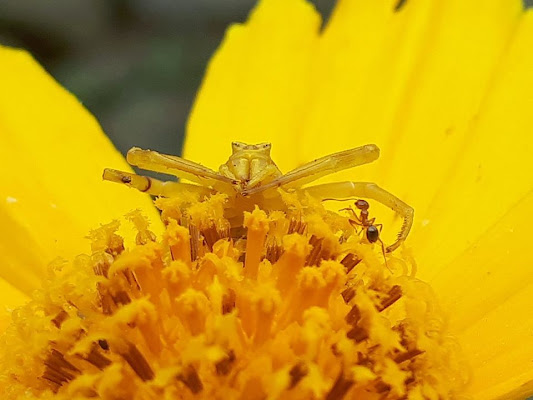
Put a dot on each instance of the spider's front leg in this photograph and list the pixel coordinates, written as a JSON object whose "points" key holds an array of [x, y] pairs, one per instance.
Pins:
{"points": [[370, 191], [152, 186]]}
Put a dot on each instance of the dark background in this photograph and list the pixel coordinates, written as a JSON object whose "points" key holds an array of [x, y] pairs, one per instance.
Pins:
{"points": [[135, 64]]}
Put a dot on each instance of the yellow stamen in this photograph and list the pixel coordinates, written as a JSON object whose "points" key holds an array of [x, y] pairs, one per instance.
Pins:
{"points": [[212, 311]]}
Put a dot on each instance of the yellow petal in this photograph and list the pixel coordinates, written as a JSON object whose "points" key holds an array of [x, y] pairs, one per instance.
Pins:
{"points": [[414, 92], [364, 61], [494, 170], [52, 156], [256, 84], [501, 350], [444, 92], [493, 284], [487, 288]]}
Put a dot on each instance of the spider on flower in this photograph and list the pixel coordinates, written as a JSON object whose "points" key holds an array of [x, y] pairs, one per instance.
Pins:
{"points": [[250, 176]]}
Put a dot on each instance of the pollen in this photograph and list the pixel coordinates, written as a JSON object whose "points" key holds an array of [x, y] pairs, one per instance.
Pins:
{"points": [[286, 305]]}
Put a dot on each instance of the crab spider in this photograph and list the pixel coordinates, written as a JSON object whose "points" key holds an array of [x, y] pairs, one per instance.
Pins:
{"points": [[250, 172]]}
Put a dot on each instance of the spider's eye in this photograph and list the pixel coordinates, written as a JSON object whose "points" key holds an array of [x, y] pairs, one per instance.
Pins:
{"points": [[372, 234]]}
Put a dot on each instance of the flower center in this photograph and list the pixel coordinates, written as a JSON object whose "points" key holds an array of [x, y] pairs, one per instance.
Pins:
{"points": [[292, 304]]}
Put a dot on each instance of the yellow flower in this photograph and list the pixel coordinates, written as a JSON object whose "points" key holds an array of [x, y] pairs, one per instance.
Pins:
{"points": [[443, 88]]}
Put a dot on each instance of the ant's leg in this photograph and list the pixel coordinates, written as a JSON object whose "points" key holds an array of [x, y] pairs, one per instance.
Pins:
{"points": [[152, 186], [371, 191], [356, 224], [383, 251], [354, 215]]}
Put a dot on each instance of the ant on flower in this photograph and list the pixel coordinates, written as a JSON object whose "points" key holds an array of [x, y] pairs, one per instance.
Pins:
{"points": [[367, 224]]}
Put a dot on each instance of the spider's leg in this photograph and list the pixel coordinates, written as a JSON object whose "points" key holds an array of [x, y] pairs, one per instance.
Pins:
{"points": [[152, 186], [321, 167], [370, 191], [270, 172], [177, 166]]}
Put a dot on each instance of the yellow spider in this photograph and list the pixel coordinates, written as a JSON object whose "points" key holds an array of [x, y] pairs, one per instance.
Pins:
{"points": [[249, 177]]}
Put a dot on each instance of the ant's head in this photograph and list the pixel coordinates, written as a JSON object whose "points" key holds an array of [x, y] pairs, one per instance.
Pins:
{"points": [[362, 205]]}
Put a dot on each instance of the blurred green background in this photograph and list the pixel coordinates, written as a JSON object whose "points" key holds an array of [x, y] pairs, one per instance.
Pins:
{"points": [[136, 65]]}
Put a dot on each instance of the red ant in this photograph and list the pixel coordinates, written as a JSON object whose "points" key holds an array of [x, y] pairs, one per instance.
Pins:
{"points": [[371, 229], [367, 225]]}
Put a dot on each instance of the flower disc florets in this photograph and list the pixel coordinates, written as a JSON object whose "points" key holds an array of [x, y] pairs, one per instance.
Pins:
{"points": [[287, 305]]}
